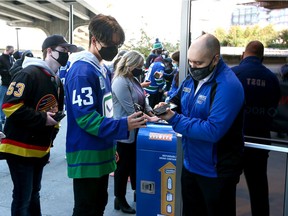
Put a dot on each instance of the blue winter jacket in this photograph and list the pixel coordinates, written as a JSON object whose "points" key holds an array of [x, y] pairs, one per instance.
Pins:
{"points": [[211, 123]]}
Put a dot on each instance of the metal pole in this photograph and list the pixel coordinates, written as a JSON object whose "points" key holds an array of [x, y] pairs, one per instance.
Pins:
{"points": [[17, 38], [184, 38], [71, 24], [277, 149], [184, 44], [285, 207]]}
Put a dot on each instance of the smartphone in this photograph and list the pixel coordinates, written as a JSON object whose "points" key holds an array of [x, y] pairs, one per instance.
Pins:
{"points": [[138, 107], [59, 116], [162, 109]]}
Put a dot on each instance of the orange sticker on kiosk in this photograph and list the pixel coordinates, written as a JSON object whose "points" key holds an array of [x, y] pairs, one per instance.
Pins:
{"points": [[160, 136]]}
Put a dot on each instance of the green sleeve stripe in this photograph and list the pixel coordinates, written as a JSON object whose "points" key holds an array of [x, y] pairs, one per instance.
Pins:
{"points": [[90, 123], [152, 88], [159, 82]]}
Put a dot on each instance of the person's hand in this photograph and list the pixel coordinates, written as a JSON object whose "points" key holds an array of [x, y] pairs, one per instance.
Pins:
{"points": [[136, 120], [159, 105], [145, 84], [50, 120], [169, 113], [158, 74], [151, 118]]}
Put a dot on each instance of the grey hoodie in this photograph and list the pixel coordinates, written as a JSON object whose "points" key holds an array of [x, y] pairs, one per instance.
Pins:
{"points": [[39, 63]]}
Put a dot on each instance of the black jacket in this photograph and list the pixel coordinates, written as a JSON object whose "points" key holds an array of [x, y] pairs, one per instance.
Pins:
{"points": [[262, 93], [31, 94], [17, 66], [5, 65]]}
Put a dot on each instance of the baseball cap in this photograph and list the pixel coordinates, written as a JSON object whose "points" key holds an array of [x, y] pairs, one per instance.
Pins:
{"points": [[58, 40], [168, 59]]}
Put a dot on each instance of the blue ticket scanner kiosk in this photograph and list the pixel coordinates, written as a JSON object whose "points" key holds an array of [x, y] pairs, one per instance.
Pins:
{"points": [[156, 170]]}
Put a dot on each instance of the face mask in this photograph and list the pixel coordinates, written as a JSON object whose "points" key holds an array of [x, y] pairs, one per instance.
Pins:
{"points": [[175, 65], [200, 73], [63, 58], [137, 72], [108, 53]]}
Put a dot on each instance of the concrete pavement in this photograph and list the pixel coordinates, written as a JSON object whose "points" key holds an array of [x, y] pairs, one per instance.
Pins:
{"points": [[57, 192], [57, 195]]}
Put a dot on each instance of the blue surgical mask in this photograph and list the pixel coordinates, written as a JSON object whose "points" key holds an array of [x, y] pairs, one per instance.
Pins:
{"points": [[175, 66]]}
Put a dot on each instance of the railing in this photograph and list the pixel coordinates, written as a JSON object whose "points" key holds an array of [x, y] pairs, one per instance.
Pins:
{"points": [[277, 149], [271, 147]]}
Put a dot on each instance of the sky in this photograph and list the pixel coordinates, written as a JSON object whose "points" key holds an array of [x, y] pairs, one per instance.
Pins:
{"points": [[158, 18], [8, 37]]}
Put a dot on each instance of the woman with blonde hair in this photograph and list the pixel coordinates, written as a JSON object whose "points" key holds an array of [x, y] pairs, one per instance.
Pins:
{"points": [[128, 96]]}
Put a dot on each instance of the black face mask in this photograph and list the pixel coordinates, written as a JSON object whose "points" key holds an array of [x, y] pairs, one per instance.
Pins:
{"points": [[200, 73], [63, 58], [108, 53], [137, 72]]}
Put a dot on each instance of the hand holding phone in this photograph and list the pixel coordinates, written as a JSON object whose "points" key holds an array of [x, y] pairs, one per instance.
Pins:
{"points": [[145, 84], [138, 108], [162, 109], [158, 74], [59, 116]]}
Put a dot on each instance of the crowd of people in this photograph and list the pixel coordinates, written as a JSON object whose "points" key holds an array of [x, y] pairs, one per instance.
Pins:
{"points": [[107, 104]]}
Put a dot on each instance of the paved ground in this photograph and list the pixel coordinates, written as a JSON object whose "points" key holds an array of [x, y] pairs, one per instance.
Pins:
{"points": [[56, 192], [57, 195]]}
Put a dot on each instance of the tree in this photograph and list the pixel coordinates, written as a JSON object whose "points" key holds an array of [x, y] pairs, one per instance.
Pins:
{"points": [[221, 35], [145, 44], [238, 36], [281, 41]]}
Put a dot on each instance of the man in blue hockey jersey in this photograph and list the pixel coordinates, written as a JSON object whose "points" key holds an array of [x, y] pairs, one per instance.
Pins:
{"points": [[91, 129]]}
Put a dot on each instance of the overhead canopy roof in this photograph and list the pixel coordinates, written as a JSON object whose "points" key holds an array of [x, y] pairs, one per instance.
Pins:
{"points": [[269, 4], [52, 16], [31, 11], [27, 11]]}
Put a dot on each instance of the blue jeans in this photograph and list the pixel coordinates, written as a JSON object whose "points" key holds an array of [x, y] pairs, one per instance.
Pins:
{"points": [[26, 177]]}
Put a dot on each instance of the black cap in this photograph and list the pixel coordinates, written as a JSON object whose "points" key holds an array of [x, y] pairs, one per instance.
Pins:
{"points": [[168, 59], [58, 40]]}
